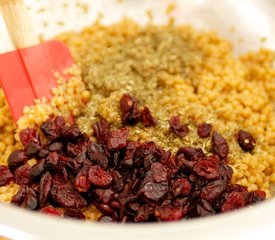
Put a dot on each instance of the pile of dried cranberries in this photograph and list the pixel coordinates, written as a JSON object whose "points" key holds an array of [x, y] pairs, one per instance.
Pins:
{"points": [[127, 181]]}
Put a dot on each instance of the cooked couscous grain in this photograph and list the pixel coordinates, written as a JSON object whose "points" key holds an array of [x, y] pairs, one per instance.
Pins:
{"points": [[178, 70], [68, 98], [175, 70]]}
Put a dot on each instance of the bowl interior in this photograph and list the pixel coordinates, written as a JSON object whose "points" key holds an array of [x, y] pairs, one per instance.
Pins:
{"points": [[248, 24]]}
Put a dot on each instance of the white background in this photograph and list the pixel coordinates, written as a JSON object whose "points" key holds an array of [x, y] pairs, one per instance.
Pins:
{"points": [[251, 19]]}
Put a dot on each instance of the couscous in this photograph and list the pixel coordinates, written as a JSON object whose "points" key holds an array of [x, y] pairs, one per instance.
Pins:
{"points": [[183, 79]]}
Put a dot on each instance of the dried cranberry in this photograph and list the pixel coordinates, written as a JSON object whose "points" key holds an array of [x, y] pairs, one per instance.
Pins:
{"points": [[191, 154], [59, 122], [81, 158], [127, 163], [5, 176], [31, 199], [50, 129], [256, 196], [99, 177], [52, 160], [82, 182], [25, 197], [178, 128], [236, 188], [159, 172], [64, 162], [97, 154], [74, 149], [171, 162], [143, 181], [63, 172], [126, 197], [37, 169], [22, 174], [104, 195], [185, 164], [115, 204], [226, 172], [220, 145], [45, 187], [117, 184], [147, 118], [233, 201], [133, 207], [75, 164], [16, 159], [213, 190], [129, 154], [169, 213], [246, 141], [143, 214], [33, 147], [154, 191], [105, 209], [193, 178], [145, 155], [55, 147], [74, 213], [181, 202], [118, 139], [206, 169], [36, 187], [64, 195], [70, 133], [204, 130], [27, 134], [20, 196], [204, 208], [43, 153], [161, 154], [181, 187], [101, 130], [51, 211], [213, 159], [129, 109]]}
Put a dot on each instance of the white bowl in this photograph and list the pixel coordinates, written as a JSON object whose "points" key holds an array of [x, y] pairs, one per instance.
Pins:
{"points": [[252, 20], [251, 223]]}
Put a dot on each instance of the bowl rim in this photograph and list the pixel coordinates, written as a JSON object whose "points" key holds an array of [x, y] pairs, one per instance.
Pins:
{"points": [[22, 224]]}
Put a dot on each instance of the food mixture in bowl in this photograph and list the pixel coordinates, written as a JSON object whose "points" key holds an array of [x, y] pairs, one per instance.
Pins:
{"points": [[156, 123]]}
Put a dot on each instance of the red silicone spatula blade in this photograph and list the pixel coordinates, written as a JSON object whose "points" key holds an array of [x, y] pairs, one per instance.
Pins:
{"points": [[15, 83], [42, 62], [29, 73]]}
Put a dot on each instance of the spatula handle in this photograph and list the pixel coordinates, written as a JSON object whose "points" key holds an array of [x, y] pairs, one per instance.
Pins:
{"points": [[18, 22]]}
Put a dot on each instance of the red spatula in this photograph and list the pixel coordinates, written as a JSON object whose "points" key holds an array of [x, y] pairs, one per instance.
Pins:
{"points": [[28, 72]]}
